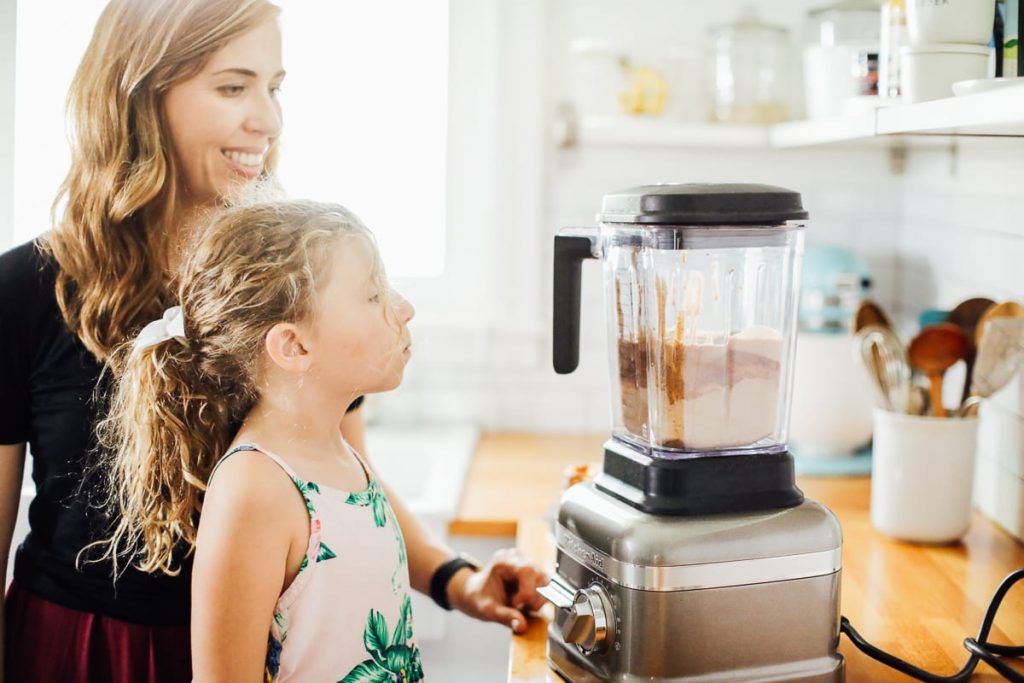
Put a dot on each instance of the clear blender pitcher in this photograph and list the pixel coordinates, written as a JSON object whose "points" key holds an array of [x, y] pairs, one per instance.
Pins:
{"points": [[701, 303]]}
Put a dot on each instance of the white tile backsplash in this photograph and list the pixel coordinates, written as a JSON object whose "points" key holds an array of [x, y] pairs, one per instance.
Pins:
{"points": [[962, 224]]}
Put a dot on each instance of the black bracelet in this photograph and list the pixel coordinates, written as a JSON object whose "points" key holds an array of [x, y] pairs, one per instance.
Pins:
{"points": [[443, 575]]}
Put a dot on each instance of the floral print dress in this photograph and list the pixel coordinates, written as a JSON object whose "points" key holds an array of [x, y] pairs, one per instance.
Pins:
{"points": [[346, 617]]}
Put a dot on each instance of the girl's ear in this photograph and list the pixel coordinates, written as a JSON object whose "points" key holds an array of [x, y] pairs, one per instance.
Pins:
{"points": [[285, 346]]}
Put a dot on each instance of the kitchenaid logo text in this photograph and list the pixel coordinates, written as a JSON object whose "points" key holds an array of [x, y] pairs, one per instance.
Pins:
{"points": [[579, 550]]}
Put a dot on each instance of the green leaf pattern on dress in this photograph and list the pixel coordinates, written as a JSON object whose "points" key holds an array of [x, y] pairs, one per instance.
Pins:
{"points": [[394, 657], [374, 498], [306, 488], [392, 660]]}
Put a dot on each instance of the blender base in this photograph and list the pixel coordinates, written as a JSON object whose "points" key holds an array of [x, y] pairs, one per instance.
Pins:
{"points": [[750, 596], [830, 670], [782, 631]]}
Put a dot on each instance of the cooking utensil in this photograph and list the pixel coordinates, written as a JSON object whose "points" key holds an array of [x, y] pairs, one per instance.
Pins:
{"points": [[1007, 309], [966, 315], [869, 313], [969, 407], [1000, 357], [918, 403], [882, 353], [934, 350]]}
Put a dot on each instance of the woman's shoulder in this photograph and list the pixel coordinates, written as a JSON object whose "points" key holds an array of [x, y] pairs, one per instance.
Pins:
{"points": [[25, 269]]}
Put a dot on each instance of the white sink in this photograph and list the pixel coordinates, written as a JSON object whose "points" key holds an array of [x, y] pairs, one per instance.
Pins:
{"points": [[425, 465]]}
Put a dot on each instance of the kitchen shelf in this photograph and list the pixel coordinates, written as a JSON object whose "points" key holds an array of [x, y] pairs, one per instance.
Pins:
{"points": [[616, 130], [823, 131], [997, 113], [994, 113]]}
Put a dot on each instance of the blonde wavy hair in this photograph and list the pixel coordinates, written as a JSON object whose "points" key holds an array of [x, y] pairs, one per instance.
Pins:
{"points": [[110, 242], [176, 404]]}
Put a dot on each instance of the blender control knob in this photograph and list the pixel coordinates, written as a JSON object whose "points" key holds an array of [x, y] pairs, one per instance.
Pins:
{"points": [[588, 620]]}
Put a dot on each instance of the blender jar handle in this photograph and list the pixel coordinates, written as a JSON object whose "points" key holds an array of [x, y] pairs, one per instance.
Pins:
{"points": [[572, 245]]}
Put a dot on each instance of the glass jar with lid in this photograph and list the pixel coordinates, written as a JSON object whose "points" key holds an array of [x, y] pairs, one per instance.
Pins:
{"points": [[748, 70]]}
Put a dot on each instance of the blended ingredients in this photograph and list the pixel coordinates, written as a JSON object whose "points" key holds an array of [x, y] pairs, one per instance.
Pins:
{"points": [[707, 393]]}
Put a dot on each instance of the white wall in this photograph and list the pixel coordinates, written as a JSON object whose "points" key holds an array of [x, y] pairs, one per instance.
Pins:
{"points": [[8, 24], [962, 223]]}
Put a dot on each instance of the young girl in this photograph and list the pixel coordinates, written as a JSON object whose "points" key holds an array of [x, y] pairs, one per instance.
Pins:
{"points": [[300, 569]]}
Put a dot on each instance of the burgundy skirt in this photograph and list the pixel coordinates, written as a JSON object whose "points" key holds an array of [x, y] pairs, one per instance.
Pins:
{"points": [[45, 642]]}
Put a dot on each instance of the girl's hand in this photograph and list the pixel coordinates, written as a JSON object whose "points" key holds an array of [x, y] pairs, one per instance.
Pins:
{"points": [[503, 591]]}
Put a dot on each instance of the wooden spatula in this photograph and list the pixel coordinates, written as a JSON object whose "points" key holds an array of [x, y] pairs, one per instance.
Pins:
{"points": [[934, 350], [1007, 309]]}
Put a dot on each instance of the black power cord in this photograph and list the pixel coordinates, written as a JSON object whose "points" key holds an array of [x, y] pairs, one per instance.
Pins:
{"points": [[979, 647]]}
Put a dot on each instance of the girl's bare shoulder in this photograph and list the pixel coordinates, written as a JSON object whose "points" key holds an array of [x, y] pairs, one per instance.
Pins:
{"points": [[249, 484]]}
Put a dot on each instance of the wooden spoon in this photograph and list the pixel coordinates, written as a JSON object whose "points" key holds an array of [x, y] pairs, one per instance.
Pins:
{"points": [[934, 350], [1007, 309], [966, 315], [869, 313]]}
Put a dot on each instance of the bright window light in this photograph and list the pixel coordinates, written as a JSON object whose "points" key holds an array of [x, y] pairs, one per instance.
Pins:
{"points": [[50, 43], [365, 109]]}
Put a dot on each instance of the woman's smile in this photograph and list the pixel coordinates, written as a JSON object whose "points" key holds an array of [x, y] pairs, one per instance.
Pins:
{"points": [[247, 162]]}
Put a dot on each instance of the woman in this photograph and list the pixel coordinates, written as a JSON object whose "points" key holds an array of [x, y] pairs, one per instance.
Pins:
{"points": [[174, 107]]}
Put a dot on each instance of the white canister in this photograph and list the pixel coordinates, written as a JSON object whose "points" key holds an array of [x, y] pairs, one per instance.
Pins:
{"points": [[1001, 427], [928, 72], [950, 21], [830, 77], [922, 476]]}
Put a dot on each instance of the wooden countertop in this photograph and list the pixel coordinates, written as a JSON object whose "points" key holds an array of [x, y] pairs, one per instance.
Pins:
{"points": [[917, 602], [518, 476]]}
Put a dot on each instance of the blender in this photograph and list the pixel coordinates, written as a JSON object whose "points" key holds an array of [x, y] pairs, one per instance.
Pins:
{"points": [[693, 556]]}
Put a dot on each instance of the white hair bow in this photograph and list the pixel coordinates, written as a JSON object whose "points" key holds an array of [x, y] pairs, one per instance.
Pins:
{"points": [[170, 326]]}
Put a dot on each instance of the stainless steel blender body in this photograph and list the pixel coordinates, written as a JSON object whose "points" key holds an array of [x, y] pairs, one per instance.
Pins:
{"points": [[733, 597], [693, 556]]}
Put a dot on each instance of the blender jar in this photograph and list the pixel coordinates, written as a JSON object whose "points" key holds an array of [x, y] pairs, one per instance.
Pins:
{"points": [[701, 303]]}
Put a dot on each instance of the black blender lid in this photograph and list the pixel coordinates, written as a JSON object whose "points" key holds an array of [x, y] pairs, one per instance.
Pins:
{"points": [[702, 204]]}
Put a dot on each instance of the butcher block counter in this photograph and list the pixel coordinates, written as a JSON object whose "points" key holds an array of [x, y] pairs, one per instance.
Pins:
{"points": [[917, 602]]}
